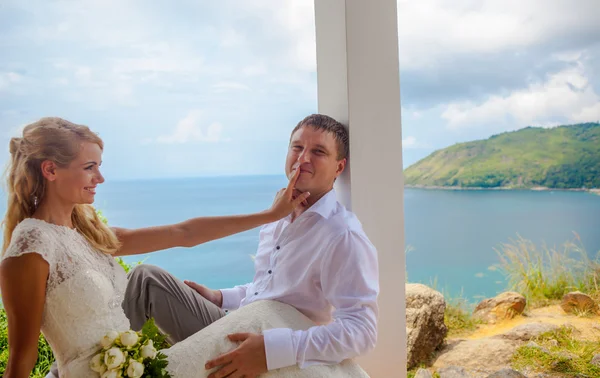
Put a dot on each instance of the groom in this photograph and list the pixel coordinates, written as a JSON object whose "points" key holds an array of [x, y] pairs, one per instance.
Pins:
{"points": [[318, 260]]}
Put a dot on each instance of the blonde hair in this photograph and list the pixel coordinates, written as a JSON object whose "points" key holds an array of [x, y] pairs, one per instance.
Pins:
{"points": [[59, 141]]}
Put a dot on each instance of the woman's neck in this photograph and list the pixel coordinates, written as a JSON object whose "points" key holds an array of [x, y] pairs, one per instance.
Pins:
{"points": [[55, 212]]}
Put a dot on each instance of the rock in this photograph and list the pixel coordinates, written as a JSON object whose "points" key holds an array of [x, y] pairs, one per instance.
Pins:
{"points": [[423, 373], [526, 332], [596, 360], [425, 328], [507, 373], [453, 372], [504, 306], [533, 344], [480, 355], [564, 355], [553, 342], [577, 302]]}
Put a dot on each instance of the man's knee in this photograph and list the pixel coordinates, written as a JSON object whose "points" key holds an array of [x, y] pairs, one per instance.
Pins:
{"points": [[145, 270], [144, 274], [140, 281]]}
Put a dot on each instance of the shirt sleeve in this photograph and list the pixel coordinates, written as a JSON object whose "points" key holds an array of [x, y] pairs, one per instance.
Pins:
{"points": [[350, 281], [233, 297]]}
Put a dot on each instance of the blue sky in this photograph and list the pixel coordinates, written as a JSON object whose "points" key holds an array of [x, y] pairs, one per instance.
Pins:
{"points": [[204, 88]]}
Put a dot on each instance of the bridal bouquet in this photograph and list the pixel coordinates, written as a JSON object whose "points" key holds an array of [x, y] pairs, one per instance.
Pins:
{"points": [[132, 354]]}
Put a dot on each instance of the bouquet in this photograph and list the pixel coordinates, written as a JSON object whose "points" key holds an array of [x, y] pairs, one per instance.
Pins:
{"points": [[132, 354]]}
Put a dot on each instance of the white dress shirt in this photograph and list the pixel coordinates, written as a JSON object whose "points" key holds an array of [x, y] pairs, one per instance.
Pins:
{"points": [[324, 265]]}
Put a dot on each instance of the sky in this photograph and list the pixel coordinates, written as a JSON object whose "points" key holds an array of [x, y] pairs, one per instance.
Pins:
{"points": [[204, 88]]}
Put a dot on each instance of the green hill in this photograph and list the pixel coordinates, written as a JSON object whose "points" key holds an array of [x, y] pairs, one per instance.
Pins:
{"points": [[560, 157]]}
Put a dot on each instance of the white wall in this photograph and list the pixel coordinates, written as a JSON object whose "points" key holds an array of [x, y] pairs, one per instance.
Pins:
{"points": [[358, 84]]}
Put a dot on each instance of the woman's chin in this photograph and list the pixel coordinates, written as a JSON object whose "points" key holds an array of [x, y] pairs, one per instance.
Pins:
{"points": [[88, 199]]}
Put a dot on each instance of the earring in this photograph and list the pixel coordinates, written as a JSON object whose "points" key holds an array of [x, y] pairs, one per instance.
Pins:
{"points": [[35, 201]]}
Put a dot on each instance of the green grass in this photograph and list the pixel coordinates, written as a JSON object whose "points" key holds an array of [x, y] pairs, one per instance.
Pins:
{"points": [[567, 355], [544, 275], [458, 317], [561, 157], [412, 372]]}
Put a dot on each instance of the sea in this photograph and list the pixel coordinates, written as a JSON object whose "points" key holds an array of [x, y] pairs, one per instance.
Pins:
{"points": [[452, 237]]}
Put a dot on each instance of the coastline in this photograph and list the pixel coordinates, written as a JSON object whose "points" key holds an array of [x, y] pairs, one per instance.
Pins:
{"points": [[534, 188]]}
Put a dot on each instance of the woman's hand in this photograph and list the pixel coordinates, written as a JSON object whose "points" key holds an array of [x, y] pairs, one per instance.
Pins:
{"points": [[288, 199]]}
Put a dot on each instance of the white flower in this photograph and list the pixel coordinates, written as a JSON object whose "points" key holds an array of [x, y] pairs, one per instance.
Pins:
{"points": [[135, 369], [109, 339], [112, 374], [148, 350], [114, 358], [96, 364], [129, 338]]}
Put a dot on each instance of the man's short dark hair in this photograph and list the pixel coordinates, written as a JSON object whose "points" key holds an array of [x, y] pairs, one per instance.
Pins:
{"points": [[326, 123]]}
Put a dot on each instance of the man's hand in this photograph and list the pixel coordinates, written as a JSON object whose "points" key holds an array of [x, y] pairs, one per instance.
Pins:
{"points": [[248, 360], [214, 296]]}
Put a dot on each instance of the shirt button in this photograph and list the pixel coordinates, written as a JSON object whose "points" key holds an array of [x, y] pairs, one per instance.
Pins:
{"points": [[278, 247], [270, 271], [256, 293]]}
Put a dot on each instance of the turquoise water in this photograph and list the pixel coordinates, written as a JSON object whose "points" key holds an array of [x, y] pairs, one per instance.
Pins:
{"points": [[452, 234]]}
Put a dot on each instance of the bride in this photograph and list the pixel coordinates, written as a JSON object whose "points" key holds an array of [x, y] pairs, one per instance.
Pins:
{"points": [[58, 274]]}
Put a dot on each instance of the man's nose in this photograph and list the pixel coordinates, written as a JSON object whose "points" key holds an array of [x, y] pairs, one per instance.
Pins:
{"points": [[304, 157]]}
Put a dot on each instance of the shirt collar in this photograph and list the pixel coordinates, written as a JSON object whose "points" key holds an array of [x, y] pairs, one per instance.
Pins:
{"points": [[325, 206]]}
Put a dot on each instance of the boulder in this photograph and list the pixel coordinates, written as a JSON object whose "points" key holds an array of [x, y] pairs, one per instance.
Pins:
{"points": [[595, 360], [482, 356], [423, 373], [425, 327], [526, 332], [534, 345], [506, 373], [506, 305], [577, 302], [453, 372]]}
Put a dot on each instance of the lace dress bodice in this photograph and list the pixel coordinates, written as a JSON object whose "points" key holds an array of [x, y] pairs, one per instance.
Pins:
{"points": [[84, 292]]}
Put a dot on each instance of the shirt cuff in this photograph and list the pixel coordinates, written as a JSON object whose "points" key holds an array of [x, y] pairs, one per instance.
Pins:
{"points": [[279, 348], [231, 299]]}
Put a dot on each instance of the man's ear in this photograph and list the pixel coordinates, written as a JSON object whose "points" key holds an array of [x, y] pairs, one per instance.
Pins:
{"points": [[49, 170], [341, 165]]}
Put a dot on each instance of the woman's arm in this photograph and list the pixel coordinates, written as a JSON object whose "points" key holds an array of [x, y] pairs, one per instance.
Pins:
{"points": [[204, 229], [23, 283]]}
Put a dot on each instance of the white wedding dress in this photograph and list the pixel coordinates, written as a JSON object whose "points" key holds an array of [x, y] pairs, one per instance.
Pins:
{"points": [[84, 293]]}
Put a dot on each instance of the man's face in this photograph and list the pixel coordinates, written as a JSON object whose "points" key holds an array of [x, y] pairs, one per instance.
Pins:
{"points": [[315, 153]]}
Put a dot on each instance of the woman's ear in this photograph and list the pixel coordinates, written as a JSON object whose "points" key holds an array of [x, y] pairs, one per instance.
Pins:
{"points": [[49, 170]]}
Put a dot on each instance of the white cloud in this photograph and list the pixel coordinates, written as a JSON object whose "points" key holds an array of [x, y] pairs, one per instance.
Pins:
{"points": [[232, 38], [431, 31], [255, 69], [226, 86], [294, 21], [410, 142], [189, 129], [588, 114], [7, 79], [566, 94]]}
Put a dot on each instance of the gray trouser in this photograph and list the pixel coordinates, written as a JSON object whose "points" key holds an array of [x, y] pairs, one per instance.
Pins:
{"points": [[178, 310]]}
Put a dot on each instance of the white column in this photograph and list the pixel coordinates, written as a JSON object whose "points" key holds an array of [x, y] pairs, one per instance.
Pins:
{"points": [[358, 84]]}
